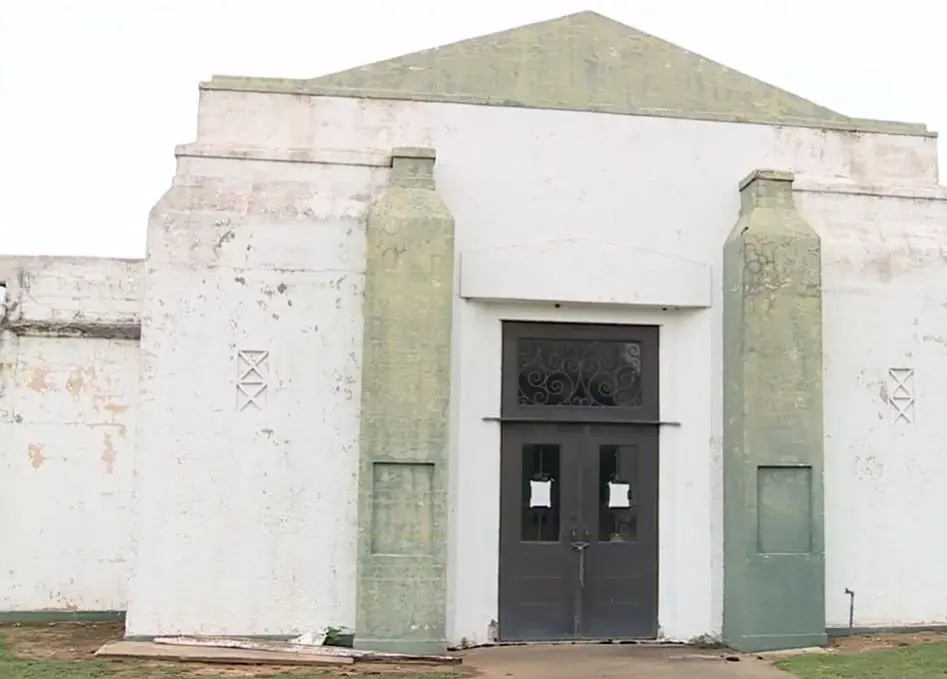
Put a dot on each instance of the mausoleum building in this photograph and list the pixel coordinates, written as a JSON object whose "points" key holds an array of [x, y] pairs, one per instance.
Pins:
{"points": [[559, 333]]}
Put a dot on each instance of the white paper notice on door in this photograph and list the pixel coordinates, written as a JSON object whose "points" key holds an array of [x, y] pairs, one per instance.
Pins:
{"points": [[618, 495], [540, 493]]}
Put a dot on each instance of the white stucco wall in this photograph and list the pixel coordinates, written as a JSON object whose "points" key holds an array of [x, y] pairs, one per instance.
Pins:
{"points": [[66, 433], [247, 512], [885, 307], [281, 183]]}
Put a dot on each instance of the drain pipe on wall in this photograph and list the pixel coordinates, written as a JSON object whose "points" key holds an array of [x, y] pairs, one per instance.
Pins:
{"points": [[851, 610]]}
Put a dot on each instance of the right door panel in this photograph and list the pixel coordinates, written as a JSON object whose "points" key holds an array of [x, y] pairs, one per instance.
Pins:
{"points": [[620, 506]]}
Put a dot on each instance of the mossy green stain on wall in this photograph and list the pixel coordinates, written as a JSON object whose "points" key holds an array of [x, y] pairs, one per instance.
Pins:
{"points": [[773, 422], [47, 617], [404, 428]]}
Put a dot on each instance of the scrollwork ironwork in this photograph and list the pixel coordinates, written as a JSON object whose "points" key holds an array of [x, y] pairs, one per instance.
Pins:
{"points": [[568, 373]]}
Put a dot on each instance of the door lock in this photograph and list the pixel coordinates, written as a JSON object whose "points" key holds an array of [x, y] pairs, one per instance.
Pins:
{"points": [[579, 540]]}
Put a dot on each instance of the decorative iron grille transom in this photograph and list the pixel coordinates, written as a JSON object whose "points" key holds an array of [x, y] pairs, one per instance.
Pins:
{"points": [[576, 373]]}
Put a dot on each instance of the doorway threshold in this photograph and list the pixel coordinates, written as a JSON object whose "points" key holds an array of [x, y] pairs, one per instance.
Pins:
{"points": [[654, 643]]}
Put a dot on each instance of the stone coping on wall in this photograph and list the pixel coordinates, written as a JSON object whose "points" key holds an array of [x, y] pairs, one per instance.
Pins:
{"points": [[907, 192], [79, 329], [308, 88], [71, 296], [316, 156]]}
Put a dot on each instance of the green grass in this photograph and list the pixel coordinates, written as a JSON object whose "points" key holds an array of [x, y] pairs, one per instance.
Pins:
{"points": [[923, 661], [15, 668], [12, 667]]}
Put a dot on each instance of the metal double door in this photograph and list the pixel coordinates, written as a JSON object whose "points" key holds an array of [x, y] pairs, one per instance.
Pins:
{"points": [[578, 531]]}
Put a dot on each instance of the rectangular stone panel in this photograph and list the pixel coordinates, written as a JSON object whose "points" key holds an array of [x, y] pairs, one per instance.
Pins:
{"points": [[415, 597], [402, 508], [784, 510]]}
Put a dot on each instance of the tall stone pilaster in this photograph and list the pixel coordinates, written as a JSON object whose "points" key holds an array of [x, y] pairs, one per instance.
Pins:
{"points": [[774, 556], [403, 444]]}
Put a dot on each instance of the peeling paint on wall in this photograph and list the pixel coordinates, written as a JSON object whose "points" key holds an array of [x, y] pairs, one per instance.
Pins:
{"points": [[75, 383], [65, 407], [39, 380], [35, 453], [80, 380], [108, 453]]}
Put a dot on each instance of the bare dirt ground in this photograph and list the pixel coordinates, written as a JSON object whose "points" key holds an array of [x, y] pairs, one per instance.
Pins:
{"points": [[59, 641], [863, 644], [79, 641]]}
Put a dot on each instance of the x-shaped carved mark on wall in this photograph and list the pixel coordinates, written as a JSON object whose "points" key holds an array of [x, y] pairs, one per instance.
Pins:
{"points": [[251, 379], [901, 393]]}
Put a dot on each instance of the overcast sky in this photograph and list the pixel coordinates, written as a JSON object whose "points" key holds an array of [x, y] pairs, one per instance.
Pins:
{"points": [[95, 95]]}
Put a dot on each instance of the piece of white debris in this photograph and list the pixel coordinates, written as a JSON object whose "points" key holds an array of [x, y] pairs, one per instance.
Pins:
{"points": [[310, 639]]}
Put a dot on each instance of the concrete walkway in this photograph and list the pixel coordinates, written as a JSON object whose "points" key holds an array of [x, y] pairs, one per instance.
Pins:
{"points": [[613, 661]]}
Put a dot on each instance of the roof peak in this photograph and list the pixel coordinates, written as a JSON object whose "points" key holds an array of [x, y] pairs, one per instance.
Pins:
{"points": [[584, 61]]}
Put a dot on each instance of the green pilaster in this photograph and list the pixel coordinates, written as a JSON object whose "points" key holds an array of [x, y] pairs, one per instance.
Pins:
{"points": [[774, 556], [403, 444]]}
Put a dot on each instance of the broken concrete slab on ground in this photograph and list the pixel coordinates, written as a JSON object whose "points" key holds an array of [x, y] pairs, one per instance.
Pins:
{"points": [[146, 650], [231, 650]]}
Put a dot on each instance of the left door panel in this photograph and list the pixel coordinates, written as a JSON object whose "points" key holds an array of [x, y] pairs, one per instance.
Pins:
{"points": [[539, 507]]}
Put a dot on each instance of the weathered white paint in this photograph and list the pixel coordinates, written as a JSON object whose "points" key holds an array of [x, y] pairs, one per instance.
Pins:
{"points": [[247, 518], [295, 124], [66, 426], [885, 306], [599, 273], [260, 504]]}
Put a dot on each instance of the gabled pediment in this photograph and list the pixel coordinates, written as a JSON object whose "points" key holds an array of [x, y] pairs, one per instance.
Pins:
{"points": [[584, 62], [584, 272]]}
